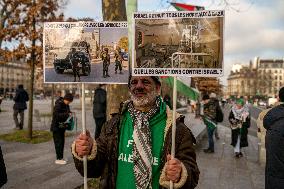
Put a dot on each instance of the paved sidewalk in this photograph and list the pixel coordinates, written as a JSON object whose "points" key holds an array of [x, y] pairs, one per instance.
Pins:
{"points": [[221, 170], [31, 166]]}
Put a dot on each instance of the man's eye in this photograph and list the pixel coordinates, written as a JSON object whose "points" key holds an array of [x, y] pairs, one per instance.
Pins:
{"points": [[133, 82], [146, 82]]}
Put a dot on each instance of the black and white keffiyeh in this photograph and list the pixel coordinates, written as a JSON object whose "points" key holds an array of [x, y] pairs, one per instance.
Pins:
{"points": [[142, 147], [240, 114]]}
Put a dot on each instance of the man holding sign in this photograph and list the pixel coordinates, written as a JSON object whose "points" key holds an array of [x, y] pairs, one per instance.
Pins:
{"points": [[133, 150]]}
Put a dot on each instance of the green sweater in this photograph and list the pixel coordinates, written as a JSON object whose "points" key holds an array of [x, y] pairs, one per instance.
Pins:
{"points": [[125, 175]]}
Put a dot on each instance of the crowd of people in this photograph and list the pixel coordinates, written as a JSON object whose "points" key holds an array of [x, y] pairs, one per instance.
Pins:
{"points": [[239, 119]]}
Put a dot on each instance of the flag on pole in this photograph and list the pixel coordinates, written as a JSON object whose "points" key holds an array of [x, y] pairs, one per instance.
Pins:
{"points": [[186, 7], [183, 86]]}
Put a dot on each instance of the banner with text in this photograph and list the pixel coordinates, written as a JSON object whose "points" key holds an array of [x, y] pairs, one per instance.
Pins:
{"points": [[89, 52], [185, 43]]}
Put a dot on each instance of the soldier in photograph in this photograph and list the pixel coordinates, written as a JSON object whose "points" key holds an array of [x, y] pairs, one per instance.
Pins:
{"points": [[75, 64], [118, 60], [106, 61]]}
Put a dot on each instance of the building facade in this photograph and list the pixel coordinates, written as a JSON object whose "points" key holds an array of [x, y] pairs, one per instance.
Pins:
{"points": [[270, 76], [11, 75], [261, 77]]}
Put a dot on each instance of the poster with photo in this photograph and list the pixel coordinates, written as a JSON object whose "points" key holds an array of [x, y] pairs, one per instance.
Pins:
{"points": [[89, 52], [183, 43]]}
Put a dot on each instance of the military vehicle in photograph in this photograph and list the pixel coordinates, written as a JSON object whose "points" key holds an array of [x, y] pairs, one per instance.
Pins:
{"points": [[76, 51]]}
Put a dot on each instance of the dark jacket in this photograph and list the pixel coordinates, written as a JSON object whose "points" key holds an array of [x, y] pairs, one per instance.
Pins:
{"points": [[60, 114], [20, 99], [3, 174], [106, 162], [243, 131], [99, 103], [273, 122], [209, 109]]}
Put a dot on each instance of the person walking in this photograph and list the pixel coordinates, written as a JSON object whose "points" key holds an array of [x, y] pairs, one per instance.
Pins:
{"points": [[239, 119], [99, 109], [106, 62], [213, 97], [20, 106], [273, 122], [61, 113], [3, 174], [133, 150], [209, 115]]}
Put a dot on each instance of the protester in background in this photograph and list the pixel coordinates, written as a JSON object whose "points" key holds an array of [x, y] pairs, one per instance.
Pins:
{"points": [[213, 97], [133, 150], [273, 122], [20, 106], [261, 131], [61, 113], [209, 114], [99, 108], [3, 174], [167, 100], [240, 122]]}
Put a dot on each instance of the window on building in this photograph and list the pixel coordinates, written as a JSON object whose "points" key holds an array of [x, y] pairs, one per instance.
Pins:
{"points": [[276, 77]]}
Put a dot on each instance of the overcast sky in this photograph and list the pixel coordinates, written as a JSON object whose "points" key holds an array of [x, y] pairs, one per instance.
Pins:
{"points": [[252, 27]]}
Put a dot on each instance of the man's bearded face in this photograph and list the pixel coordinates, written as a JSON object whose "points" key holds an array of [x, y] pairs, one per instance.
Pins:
{"points": [[143, 91]]}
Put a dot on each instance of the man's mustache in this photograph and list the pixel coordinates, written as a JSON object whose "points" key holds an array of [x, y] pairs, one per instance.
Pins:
{"points": [[139, 90]]}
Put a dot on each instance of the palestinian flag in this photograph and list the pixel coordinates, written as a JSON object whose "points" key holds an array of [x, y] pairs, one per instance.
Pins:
{"points": [[183, 86], [186, 7]]}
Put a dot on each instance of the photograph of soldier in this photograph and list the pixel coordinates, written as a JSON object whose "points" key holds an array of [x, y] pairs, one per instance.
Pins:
{"points": [[106, 61], [118, 61], [74, 62], [85, 54], [179, 43]]}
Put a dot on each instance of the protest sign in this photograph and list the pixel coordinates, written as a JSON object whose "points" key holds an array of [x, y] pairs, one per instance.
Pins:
{"points": [[86, 52], [185, 43]]}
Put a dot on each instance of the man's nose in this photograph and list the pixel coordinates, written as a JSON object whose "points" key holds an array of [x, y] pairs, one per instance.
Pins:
{"points": [[140, 84]]}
